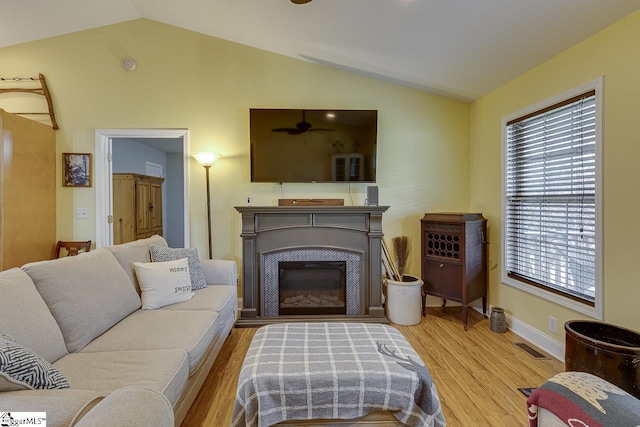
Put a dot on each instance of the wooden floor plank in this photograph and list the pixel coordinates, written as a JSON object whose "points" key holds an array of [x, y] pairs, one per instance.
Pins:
{"points": [[477, 372]]}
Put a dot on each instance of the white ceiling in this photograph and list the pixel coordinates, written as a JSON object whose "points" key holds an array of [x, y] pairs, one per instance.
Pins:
{"points": [[459, 48]]}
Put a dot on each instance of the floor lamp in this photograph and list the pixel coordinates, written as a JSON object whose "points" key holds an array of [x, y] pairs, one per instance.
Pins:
{"points": [[207, 160]]}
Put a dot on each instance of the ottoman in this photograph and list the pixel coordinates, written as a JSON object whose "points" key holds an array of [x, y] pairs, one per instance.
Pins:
{"points": [[333, 371]]}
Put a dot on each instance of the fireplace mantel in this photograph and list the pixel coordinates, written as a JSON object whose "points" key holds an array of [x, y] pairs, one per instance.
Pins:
{"points": [[268, 230]]}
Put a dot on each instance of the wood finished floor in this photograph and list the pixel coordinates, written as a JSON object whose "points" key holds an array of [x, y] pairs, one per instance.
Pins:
{"points": [[477, 372]]}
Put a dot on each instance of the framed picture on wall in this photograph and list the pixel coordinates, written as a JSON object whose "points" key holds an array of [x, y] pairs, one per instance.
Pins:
{"points": [[76, 169]]}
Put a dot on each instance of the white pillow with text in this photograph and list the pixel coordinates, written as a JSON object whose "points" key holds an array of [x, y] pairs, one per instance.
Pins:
{"points": [[163, 283]]}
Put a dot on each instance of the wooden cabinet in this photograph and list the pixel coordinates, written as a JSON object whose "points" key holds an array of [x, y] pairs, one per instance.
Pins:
{"points": [[27, 191], [347, 167], [137, 207], [454, 258]]}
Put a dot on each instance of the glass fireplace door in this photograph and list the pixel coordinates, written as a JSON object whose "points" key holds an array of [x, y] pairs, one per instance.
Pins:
{"points": [[312, 287]]}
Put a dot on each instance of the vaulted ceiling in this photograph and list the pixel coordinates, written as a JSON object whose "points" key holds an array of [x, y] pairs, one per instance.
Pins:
{"points": [[459, 48]]}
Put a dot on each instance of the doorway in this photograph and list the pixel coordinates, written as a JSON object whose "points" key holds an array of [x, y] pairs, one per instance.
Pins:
{"points": [[173, 141]]}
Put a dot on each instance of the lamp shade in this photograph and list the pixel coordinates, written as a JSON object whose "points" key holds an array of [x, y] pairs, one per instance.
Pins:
{"points": [[206, 159]]}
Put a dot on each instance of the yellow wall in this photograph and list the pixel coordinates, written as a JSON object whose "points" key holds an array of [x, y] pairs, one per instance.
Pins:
{"points": [[615, 54], [207, 85], [434, 154]]}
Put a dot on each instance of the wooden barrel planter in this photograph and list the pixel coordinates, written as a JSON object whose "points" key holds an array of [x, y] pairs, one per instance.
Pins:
{"points": [[607, 351]]}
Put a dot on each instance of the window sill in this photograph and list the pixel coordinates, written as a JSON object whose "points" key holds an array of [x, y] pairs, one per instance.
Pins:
{"points": [[594, 312]]}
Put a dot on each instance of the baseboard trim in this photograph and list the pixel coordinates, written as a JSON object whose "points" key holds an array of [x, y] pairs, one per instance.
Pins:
{"points": [[543, 341]]}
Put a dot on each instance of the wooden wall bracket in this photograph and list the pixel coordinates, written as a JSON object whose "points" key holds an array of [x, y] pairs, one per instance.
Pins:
{"points": [[42, 90]]}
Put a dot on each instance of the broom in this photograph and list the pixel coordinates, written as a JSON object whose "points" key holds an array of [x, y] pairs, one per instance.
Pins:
{"points": [[402, 248]]}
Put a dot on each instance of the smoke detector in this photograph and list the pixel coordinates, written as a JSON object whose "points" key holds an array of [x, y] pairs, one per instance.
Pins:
{"points": [[129, 64]]}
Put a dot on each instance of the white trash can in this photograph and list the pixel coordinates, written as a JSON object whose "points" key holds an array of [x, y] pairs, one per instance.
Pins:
{"points": [[404, 300]]}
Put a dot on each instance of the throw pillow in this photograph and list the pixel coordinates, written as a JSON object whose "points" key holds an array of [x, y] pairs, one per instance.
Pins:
{"points": [[163, 283], [22, 369], [162, 254]]}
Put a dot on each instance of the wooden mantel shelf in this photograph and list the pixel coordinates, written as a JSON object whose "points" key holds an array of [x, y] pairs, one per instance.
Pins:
{"points": [[323, 209]]}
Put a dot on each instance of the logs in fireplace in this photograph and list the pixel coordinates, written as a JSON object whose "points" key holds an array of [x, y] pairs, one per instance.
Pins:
{"points": [[312, 287]]}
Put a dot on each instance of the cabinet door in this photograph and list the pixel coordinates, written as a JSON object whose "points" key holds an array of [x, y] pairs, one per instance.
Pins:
{"points": [[443, 279], [156, 208], [143, 200], [355, 168], [339, 167], [27, 191], [347, 167], [123, 210]]}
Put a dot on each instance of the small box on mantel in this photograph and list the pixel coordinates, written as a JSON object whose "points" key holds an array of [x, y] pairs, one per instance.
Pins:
{"points": [[310, 202]]}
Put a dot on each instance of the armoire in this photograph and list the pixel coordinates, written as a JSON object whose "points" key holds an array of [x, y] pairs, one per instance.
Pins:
{"points": [[27, 191], [137, 207]]}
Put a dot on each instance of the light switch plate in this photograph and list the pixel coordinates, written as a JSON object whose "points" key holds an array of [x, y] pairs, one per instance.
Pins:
{"points": [[81, 213]]}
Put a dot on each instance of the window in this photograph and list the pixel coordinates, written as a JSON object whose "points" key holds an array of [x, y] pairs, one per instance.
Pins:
{"points": [[551, 243]]}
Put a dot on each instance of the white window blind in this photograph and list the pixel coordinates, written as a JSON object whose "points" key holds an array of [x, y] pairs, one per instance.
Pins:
{"points": [[550, 198]]}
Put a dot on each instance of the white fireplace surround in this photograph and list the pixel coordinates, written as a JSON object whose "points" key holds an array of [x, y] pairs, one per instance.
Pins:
{"points": [[271, 300]]}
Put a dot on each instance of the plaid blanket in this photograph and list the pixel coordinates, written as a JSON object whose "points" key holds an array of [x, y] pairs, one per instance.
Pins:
{"points": [[302, 371]]}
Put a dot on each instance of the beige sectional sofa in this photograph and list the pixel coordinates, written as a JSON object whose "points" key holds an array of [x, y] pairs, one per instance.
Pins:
{"points": [[124, 365]]}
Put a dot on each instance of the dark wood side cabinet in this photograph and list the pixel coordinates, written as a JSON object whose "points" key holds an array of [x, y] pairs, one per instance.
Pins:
{"points": [[454, 258]]}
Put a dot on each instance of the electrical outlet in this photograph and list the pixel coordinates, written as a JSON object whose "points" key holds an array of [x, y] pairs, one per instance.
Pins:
{"points": [[553, 324], [81, 213]]}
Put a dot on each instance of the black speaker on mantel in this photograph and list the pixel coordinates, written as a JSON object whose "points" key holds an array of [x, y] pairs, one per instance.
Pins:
{"points": [[372, 195]]}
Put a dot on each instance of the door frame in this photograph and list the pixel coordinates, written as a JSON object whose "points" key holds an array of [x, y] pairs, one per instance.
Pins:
{"points": [[104, 175]]}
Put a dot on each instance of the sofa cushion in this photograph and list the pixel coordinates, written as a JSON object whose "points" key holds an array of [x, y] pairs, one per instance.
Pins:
{"points": [[190, 330], [164, 371], [161, 254], [25, 316], [87, 294], [136, 251], [219, 298], [163, 283], [130, 406], [22, 369], [220, 271], [62, 406]]}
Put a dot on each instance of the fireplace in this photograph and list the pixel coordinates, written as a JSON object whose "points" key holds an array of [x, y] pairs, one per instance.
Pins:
{"points": [[271, 277], [312, 287], [297, 244]]}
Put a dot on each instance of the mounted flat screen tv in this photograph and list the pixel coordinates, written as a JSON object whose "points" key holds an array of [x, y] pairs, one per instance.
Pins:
{"points": [[290, 145]]}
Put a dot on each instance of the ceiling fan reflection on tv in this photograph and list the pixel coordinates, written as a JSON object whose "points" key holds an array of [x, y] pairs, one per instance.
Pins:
{"points": [[301, 127]]}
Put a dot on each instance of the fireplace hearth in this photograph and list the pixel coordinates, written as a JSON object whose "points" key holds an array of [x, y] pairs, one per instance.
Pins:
{"points": [[311, 263], [312, 287]]}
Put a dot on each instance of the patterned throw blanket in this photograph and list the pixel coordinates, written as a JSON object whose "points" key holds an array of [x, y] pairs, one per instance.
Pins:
{"points": [[302, 371], [582, 399]]}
